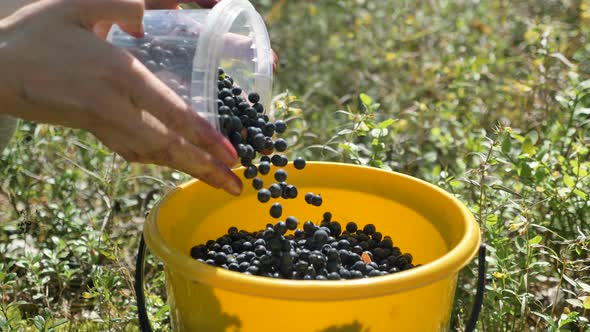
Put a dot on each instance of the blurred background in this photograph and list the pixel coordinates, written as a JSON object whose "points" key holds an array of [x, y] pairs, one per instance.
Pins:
{"points": [[486, 99]]}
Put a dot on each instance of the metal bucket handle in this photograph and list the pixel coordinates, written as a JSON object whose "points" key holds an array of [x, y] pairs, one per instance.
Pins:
{"points": [[144, 321]]}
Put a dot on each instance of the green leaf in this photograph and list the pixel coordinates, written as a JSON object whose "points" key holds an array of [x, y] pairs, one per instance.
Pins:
{"points": [[506, 145], [584, 287], [491, 219], [59, 323], [575, 303], [366, 100], [568, 181], [587, 303], [386, 123], [580, 194], [536, 240], [87, 295], [528, 147], [39, 322]]}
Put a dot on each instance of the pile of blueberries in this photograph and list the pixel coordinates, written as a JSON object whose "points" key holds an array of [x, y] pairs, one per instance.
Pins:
{"points": [[316, 252]]}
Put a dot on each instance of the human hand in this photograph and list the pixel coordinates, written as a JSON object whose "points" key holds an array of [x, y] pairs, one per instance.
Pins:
{"points": [[57, 71]]}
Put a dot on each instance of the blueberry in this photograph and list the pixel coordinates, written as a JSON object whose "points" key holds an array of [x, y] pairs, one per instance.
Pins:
{"points": [[246, 162], [253, 97], [220, 71], [351, 227], [386, 243], [280, 227], [253, 270], [250, 112], [369, 229], [241, 150], [333, 254], [301, 266], [197, 252], [281, 175], [259, 108], [264, 167], [243, 106], [307, 277], [335, 228], [224, 110], [260, 250], [236, 91], [308, 197], [229, 102], [259, 141], [260, 242], [265, 159], [374, 273], [280, 126], [257, 183], [276, 210], [309, 228], [280, 145], [276, 160], [377, 236], [359, 266], [344, 273], [393, 270], [234, 267], [356, 274], [269, 129], [264, 195], [220, 258], [283, 160], [299, 234], [250, 172], [227, 83], [275, 244], [299, 163], [327, 216], [343, 244], [227, 249], [316, 200], [224, 93], [291, 223], [291, 191], [275, 190], [320, 237]]}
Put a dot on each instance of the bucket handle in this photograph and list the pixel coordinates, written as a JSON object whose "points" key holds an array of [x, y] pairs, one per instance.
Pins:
{"points": [[144, 321]]}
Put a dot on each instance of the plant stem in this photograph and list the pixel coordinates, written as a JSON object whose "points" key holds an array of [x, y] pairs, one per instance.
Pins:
{"points": [[558, 287]]}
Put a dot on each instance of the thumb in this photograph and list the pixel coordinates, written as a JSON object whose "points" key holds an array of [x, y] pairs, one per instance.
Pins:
{"points": [[128, 14]]}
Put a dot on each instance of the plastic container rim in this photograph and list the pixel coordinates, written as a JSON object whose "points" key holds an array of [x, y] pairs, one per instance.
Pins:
{"points": [[325, 290]]}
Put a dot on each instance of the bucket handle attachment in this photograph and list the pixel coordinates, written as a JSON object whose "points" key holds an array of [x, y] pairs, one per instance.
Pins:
{"points": [[144, 321]]}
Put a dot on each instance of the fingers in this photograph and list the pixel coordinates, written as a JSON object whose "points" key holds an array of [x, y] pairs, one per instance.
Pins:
{"points": [[128, 14], [161, 4], [151, 94], [188, 158]]}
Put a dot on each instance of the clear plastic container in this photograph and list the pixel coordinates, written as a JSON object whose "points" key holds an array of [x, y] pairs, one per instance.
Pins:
{"points": [[185, 48]]}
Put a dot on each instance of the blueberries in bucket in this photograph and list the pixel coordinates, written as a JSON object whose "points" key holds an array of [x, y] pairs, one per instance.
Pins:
{"points": [[304, 255]]}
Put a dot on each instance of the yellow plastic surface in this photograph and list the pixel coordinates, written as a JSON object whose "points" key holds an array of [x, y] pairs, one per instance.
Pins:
{"points": [[422, 219]]}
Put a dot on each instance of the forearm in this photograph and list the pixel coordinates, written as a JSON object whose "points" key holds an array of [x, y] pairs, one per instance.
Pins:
{"points": [[8, 7]]}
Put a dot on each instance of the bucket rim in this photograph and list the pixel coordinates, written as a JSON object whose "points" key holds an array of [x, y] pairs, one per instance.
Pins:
{"points": [[321, 290]]}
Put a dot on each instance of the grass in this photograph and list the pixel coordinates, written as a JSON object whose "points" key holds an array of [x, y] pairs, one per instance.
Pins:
{"points": [[488, 100]]}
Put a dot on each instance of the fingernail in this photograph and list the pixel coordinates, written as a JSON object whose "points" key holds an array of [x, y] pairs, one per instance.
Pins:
{"points": [[234, 187]]}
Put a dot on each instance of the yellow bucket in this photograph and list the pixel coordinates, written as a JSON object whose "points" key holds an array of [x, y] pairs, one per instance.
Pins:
{"points": [[422, 219]]}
